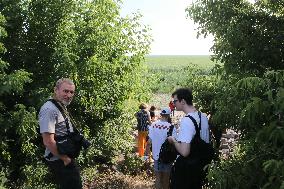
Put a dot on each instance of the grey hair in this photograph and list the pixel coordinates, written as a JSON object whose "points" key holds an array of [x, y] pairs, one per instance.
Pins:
{"points": [[63, 80]]}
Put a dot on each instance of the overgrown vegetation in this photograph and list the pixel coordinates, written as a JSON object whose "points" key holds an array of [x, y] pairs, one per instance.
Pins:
{"points": [[247, 92], [88, 41], [43, 40]]}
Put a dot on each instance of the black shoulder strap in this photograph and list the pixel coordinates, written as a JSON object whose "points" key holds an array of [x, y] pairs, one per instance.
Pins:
{"points": [[170, 131], [60, 108], [197, 128]]}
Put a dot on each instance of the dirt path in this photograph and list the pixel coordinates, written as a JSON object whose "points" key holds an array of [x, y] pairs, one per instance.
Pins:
{"points": [[117, 180]]}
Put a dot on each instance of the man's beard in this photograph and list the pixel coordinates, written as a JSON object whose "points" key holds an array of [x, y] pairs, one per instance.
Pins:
{"points": [[66, 103]]}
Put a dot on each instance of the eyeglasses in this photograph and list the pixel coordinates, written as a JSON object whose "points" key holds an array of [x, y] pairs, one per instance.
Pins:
{"points": [[174, 101]]}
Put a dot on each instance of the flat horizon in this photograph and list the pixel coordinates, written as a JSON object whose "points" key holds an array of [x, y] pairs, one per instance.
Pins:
{"points": [[179, 54]]}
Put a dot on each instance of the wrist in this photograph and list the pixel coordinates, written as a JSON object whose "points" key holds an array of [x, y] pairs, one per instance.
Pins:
{"points": [[64, 157]]}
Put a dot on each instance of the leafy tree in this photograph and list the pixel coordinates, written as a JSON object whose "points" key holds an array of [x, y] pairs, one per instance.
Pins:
{"points": [[87, 41], [248, 92], [11, 83]]}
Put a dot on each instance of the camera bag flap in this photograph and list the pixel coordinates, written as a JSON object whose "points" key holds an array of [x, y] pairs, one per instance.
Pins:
{"points": [[68, 145]]}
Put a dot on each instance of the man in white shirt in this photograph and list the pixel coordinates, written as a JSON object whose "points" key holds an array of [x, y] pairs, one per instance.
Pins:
{"points": [[181, 176]]}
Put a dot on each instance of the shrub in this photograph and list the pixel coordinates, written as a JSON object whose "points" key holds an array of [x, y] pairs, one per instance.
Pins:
{"points": [[132, 164]]}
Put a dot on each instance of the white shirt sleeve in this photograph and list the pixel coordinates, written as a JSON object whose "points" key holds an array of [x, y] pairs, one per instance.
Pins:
{"points": [[47, 121], [204, 133], [186, 131], [174, 133]]}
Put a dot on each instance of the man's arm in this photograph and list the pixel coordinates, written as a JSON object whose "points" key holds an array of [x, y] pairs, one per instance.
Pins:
{"points": [[50, 143], [182, 147]]}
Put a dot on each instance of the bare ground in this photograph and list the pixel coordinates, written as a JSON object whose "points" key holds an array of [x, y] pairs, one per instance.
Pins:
{"points": [[117, 180]]}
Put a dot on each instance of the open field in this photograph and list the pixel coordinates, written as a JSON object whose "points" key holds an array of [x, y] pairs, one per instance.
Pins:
{"points": [[178, 61], [168, 72]]}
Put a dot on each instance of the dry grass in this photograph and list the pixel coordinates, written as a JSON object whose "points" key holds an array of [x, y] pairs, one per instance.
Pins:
{"points": [[117, 180]]}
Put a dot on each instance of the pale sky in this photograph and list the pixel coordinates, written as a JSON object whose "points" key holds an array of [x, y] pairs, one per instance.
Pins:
{"points": [[173, 33]]}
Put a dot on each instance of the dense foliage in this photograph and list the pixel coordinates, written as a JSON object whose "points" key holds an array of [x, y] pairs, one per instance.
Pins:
{"points": [[10, 84], [247, 92], [88, 41]]}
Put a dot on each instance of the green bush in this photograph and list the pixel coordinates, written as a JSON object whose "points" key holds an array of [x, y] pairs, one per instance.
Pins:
{"points": [[36, 176], [132, 164], [89, 173], [166, 80], [3, 177]]}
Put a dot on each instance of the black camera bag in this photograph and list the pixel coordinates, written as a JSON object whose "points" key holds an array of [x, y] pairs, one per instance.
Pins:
{"points": [[70, 144]]}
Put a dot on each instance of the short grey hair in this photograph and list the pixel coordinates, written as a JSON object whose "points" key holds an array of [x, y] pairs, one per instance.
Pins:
{"points": [[63, 80]]}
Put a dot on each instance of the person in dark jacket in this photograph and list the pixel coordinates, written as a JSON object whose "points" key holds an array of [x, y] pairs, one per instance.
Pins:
{"points": [[152, 113], [143, 122]]}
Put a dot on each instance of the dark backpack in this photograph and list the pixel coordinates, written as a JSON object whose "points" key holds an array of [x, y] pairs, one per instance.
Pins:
{"points": [[191, 171], [142, 120], [200, 151], [168, 151]]}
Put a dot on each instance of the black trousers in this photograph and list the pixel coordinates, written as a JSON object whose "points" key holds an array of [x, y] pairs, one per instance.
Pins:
{"points": [[186, 175], [67, 177]]}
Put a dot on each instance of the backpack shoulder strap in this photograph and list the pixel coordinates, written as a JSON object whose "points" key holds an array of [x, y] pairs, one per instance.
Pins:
{"points": [[197, 129], [170, 131], [199, 114]]}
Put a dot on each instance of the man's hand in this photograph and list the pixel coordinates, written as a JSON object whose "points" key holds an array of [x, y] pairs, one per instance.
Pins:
{"points": [[171, 139], [66, 160], [182, 147], [50, 143]]}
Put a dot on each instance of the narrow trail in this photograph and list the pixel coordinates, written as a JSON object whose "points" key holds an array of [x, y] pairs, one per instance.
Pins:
{"points": [[113, 179], [117, 180]]}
